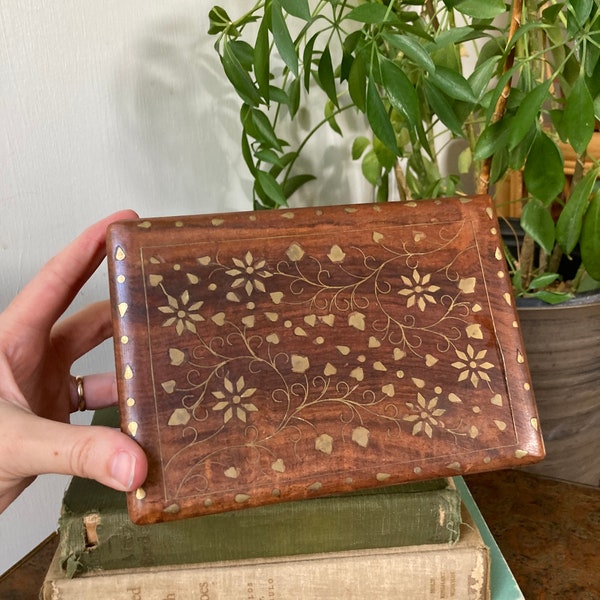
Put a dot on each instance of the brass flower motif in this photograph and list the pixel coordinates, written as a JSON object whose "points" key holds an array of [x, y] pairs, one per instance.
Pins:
{"points": [[232, 401], [425, 415], [182, 314], [472, 365], [418, 290], [249, 274]]}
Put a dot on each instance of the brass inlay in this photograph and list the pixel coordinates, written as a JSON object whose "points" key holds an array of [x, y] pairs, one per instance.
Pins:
{"points": [[140, 493], [119, 253], [253, 365]]}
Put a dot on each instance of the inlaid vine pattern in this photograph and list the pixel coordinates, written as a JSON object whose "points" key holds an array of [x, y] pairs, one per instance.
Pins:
{"points": [[322, 351]]}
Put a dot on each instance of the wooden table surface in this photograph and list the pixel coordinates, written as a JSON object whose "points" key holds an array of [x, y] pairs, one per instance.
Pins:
{"points": [[548, 531]]}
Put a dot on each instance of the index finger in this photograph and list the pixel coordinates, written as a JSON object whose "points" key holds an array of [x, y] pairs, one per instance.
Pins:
{"points": [[44, 299]]}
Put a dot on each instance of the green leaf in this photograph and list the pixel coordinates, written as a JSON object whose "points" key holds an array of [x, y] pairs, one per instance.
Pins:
{"points": [[371, 13], [527, 113], [570, 221], [330, 112], [492, 139], [552, 297], [442, 107], [307, 57], [282, 38], [284, 161], [268, 156], [379, 119], [543, 280], [359, 145], [357, 83], [482, 75], [411, 47], [371, 169], [400, 91], [219, 21], [244, 53], [537, 222], [453, 84], [550, 14], [326, 76], [590, 238], [518, 155], [578, 119], [499, 165], [271, 188], [386, 158], [557, 118], [478, 9], [294, 97], [261, 59], [266, 132], [294, 183], [297, 8], [239, 77], [581, 11], [543, 173], [278, 95], [247, 153]]}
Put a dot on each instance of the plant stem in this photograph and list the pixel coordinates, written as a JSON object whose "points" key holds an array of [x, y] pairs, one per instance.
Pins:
{"points": [[526, 262], [516, 16], [403, 189]]}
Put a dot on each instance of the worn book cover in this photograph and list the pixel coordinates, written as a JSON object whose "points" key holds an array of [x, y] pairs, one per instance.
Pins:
{"points": [[459, 571], [280, 355]]}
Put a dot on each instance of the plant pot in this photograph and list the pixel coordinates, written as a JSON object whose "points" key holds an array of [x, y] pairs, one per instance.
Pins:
{"points": [[562, 343]]}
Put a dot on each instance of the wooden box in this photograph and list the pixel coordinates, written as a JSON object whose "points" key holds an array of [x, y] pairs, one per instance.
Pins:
{"points": [[278, 355]]}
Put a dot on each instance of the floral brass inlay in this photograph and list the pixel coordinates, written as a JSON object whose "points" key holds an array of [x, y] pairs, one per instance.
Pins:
{"points": [[317, 346]]}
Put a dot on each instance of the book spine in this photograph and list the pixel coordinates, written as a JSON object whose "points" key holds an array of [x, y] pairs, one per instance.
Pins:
{"points": [[425, 573], [319, 525]]}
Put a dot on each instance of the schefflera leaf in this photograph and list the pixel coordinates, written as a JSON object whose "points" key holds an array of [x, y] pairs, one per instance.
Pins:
{"points": [[570, 222], [544, 172], [590, 239]]}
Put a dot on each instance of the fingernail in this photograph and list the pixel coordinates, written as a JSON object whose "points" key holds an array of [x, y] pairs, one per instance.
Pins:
{"points": [[123, 469]]}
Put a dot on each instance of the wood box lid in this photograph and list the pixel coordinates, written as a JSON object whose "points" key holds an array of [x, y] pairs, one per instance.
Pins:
{"points": [[279, 355]]}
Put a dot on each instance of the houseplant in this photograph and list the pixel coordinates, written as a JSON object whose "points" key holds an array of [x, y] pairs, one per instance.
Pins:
{"points": [[514, 83]]}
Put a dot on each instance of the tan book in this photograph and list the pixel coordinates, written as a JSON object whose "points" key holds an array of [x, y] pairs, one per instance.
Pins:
{"points": [[459, 571], [289, 354]]}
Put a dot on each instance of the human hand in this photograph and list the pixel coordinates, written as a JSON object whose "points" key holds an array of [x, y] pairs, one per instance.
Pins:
{"points": [[37, 390]]}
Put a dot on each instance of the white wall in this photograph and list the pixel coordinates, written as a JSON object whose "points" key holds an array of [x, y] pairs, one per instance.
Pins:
{"points": [[108, 105]]}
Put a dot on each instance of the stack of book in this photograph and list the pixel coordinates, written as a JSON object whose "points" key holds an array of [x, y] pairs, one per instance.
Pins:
{"points": [[279, 362], [419, 540]]}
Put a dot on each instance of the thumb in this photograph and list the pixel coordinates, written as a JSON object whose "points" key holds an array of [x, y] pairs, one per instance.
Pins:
{"points": [[101, 453]]}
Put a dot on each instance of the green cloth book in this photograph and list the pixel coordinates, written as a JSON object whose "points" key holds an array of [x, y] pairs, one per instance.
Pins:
{"points": [[96, 532]]}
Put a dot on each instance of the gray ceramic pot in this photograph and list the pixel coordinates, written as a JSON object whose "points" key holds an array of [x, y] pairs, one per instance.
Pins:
{"points": [[563, 350]]}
